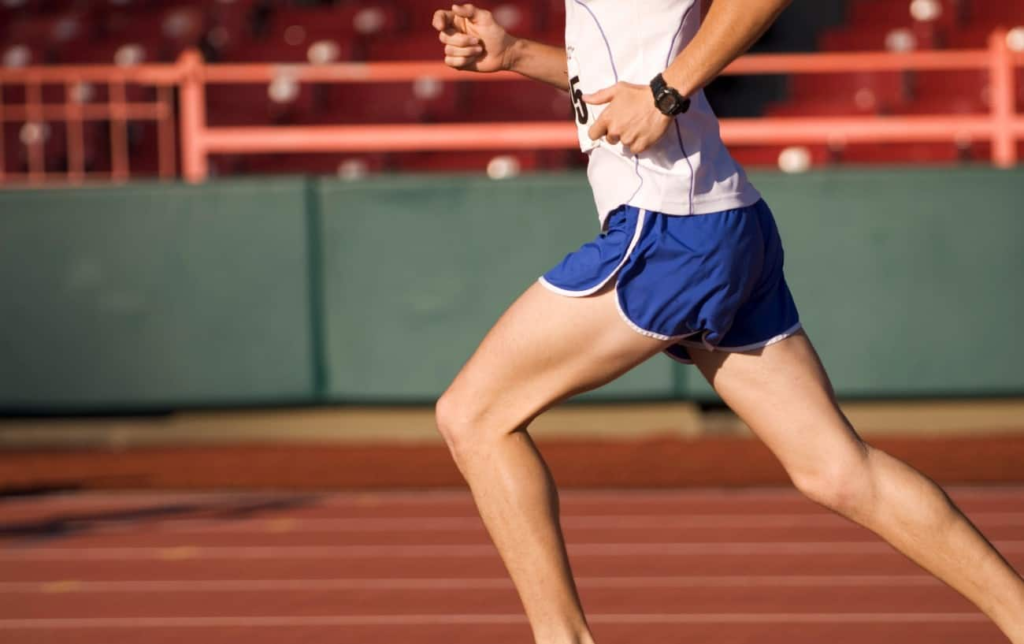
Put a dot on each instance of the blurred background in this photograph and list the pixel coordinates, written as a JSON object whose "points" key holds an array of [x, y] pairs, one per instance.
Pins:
{"points": [[220, 226], [245, 245]]}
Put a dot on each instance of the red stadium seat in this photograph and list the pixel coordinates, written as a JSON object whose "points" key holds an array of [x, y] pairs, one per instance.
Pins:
{"points": [[973, 37], [351, 166], [768, 155], [820, 107], [326, 50], [340, 22], [20, 53], [942, 105], [520, 17], [982, 151], [123, 53], [965, 84], [904, 38], [14, 153], [516, 101], [419, 46], [996, 12], [16, 148], [46, 29], [250, 104], [868, 90], [166, 31], [554, 15], [424, 100], [896, 13], [109, 52], [469, 161], [417, 14]]}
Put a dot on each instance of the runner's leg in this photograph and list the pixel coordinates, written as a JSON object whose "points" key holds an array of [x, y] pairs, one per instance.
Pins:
{"points": [[545, 348], [784, 395]]}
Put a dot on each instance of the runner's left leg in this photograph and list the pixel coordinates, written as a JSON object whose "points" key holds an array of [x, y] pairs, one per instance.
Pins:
{"points": [[545, 348], [783, 394]]}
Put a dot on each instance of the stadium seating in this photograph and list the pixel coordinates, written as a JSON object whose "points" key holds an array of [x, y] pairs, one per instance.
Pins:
{"points": [[128, 32], [902, 25]]}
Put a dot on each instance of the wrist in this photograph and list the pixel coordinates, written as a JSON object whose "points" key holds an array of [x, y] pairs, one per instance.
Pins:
{"points": [[667, 99], [513, 53], [677, 81]]}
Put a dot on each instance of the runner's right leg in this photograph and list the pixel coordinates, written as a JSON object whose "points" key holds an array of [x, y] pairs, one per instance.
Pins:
{"points": [[545, 348]]}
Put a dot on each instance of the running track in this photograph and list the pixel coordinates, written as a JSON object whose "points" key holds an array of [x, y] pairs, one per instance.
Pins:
{"points": [[417, 568]]}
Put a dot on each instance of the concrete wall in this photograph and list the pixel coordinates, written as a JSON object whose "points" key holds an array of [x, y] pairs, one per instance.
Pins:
{"points": [[289, 291]]}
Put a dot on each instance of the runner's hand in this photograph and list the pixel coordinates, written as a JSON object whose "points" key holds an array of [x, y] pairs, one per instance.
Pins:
{"points": [[473, 40], [631, 116]]}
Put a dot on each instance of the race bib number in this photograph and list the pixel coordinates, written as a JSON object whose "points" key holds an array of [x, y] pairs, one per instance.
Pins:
{"points": [[584, 113]]}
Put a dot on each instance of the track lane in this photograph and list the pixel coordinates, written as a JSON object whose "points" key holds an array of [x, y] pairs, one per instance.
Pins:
{"points": [[67, 603], [722, 566], [722, 631]]}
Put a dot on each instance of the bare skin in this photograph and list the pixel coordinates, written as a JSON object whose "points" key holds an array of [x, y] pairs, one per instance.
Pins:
{"points": [[548, 347], [784, 395], [545, 348]]}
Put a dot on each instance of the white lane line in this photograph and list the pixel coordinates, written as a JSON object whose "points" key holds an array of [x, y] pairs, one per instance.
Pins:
{"points": [[647, 523], [584, 522], [483, 619], [189, 551], [276, 585], [725, 495]]}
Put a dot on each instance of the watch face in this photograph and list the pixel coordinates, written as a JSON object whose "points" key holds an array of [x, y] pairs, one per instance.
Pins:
{"points": [[667, 102]]}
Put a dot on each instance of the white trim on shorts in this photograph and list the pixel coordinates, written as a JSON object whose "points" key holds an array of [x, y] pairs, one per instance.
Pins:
{"points": [[760, 345], [633, 325], [747, 347], [590, 291]]}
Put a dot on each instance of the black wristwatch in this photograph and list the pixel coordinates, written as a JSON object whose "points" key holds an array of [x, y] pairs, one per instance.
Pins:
{"points": [[668, 101]]}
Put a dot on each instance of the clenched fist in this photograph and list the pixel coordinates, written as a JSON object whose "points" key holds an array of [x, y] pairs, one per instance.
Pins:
{"points": [[473, 41]]}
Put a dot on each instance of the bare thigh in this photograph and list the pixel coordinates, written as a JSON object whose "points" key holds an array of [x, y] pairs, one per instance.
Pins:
{"points": [[783, 393], [545, 348]]}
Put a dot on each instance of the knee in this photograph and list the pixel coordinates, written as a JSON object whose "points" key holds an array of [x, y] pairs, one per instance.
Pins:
{"points": [[457, 421], [844, 484], [446, 419]]}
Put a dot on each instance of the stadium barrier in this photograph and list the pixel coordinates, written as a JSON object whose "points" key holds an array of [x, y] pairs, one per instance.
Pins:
{"points": [[1002, 125], [281, 291]]}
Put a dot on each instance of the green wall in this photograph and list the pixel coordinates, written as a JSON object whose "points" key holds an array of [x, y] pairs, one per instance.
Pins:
{"points": [[417, 270], [292, 291], [909, 282], [155, 296]]}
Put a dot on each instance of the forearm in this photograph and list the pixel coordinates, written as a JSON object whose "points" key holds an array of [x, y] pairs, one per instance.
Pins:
{"points": [[730, 28], [539, 62]]}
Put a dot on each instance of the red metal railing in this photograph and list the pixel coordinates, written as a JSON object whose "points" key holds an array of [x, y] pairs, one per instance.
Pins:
{"points": [[118, 110], [1002, 125]]}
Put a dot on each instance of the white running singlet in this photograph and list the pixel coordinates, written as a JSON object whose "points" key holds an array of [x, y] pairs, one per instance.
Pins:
{"points": [[688, 171]]}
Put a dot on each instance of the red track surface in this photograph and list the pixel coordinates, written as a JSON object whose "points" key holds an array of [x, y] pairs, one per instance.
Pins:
{"points": [[417, 568]]}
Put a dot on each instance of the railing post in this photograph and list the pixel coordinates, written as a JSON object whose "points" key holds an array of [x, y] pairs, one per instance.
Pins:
{"points": [[192, 111], [1003, 95]]}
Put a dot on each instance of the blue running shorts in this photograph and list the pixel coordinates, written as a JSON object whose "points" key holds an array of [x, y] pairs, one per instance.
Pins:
{"points": [[709, 281]]}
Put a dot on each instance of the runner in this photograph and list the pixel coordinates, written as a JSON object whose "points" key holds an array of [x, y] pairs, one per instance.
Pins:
{"points": [[688, 262]]}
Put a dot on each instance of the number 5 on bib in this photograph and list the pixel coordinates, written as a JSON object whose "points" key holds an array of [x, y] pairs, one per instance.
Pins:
{"points": [[584, 113]]}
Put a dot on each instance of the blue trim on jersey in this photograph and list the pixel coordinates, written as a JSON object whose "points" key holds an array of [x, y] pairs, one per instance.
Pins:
{"points": [[607, 45], [675, 121], [640, 186], [682, 22]]}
